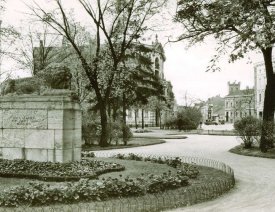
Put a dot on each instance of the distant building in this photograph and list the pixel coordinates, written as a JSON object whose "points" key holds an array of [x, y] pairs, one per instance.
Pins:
{"points": [[213, 109], [239, 103], [260, 84]]}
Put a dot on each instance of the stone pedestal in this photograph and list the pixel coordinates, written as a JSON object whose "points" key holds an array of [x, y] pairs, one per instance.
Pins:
{"points": [[40, 128]]}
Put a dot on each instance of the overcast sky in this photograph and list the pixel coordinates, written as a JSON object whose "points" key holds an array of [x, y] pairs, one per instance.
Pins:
{"points": [[184, 67]]}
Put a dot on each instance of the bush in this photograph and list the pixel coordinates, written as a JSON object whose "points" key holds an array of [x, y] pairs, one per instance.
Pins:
{"points": [[91, 127], [91, 130], [188, 118], [249, 130]]}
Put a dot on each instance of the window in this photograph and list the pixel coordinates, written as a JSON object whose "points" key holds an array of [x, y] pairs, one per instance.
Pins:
{"points": [[260, 97]]}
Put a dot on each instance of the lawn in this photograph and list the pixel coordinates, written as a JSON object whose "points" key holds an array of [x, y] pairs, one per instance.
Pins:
{"points": [[134, 142], [254, 152]]}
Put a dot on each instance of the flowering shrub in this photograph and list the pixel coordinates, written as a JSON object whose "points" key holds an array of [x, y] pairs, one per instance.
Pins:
{"points": [[50, 171], [35, 194]]}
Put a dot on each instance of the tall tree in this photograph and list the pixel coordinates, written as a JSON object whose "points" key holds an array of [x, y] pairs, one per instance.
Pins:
{"points": [[8, 36], [109, 18], [244, 26]]}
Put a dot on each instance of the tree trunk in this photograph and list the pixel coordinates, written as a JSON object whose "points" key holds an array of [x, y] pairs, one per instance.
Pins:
{"points": [[136, 111], [124, 120], [157, 117], [160, 120], [142, 118], [103, 142], [268, 110]]}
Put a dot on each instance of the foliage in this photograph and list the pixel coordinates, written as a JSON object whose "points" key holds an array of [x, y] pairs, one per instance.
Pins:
{"points": [[249, 130], [239, 26], [91, 129], [187, 118], [56, 77], [127, 21], [35, 194], [50, 171]]}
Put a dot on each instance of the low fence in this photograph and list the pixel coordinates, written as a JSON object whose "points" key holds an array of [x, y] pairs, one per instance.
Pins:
{"points": [[212, 132], [152, 202]]}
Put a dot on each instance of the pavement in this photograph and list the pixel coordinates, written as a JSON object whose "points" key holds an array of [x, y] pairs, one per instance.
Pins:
{"points": [[255, 177]]}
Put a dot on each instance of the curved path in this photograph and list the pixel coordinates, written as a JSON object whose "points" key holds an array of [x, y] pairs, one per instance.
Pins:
{"points": [[255, 177]]}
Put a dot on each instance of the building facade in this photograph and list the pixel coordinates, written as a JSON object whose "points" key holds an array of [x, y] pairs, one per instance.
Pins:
{"points": [[260, 84], [151, 117], [239, 103]]}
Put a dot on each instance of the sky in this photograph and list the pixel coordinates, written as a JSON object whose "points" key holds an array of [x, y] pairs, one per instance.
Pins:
{"points": [[184, 67]]}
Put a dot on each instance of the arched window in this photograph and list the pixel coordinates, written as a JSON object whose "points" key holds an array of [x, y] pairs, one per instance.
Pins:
{"points": [[157, 67]]}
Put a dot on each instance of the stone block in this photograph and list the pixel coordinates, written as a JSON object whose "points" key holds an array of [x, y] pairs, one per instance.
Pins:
{"points": [[24, 119], [12, 153], [55, 119], [59, 155], [13, 138], [77, 154], [58, 139], [68, 155], [77, 143], [78, 119], [36, 154], [51, 155], [40, 139]]}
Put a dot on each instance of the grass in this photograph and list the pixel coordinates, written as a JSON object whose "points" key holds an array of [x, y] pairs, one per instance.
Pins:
{"points": [[254, 152], [136, 168], [135, 142]]}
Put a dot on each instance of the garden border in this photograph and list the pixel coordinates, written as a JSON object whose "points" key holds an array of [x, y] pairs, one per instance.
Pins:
{"points": [[154, 202]]}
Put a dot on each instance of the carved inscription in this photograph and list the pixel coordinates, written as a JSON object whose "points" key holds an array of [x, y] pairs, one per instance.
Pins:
{"points": [[25, 119]]}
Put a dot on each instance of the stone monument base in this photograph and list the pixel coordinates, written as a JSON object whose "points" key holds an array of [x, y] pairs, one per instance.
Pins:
{"points": [[40, 128]]}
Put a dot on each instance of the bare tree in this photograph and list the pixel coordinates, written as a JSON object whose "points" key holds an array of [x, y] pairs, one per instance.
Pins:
{"points": [[117, 23]]}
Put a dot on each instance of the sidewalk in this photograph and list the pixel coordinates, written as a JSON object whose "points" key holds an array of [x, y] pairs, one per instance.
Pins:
{"points": [[255, 185]]}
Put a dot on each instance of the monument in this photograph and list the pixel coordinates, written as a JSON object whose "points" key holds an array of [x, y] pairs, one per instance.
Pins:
{"points": [[40, 128]]}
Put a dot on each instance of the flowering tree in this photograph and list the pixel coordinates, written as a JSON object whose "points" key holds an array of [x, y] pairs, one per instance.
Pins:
{"points": [[242, 25]]}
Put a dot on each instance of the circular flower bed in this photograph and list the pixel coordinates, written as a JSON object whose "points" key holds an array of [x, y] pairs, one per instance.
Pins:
{"points": [[49, 171]]}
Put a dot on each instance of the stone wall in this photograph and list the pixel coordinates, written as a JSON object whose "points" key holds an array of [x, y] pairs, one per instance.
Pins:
{"points": [[40, 128]]}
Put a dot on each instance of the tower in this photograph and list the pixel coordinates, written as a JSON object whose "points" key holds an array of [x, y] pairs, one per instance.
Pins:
{"points": [[234, 87]]}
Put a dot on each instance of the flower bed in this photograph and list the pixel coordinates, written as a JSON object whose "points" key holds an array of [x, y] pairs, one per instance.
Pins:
{"points": [[186, 169], [35, 194], [49, 171]]}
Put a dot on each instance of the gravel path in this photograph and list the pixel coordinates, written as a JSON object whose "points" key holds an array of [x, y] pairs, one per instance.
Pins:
{"points": [[255, 177]]}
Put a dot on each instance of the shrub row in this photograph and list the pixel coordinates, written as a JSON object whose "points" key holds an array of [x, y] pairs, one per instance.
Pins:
{"points": [[49, 171]]}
